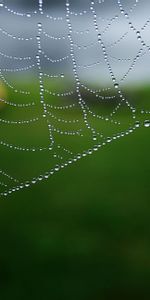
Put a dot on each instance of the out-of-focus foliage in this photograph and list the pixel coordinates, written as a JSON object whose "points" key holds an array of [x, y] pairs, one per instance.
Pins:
{"points": [[84, 233]]}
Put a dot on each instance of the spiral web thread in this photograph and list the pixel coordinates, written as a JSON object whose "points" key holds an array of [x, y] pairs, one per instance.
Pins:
{"points": [[67, 117]]}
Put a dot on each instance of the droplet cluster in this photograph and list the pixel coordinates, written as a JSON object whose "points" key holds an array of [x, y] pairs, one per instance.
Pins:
{"points": [[58, 110]]}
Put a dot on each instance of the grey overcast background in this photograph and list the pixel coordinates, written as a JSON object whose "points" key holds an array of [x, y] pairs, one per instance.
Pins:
{"points": [[31, 3], [127, 49]]}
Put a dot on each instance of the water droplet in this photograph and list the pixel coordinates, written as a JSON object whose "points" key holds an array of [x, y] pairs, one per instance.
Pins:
{"points": [[116, 85], [137, 124], [147, 123], [90, 151], [109, 140], [94, 137], [46, 176], [34, 180], [57, 168], [138, 35]]}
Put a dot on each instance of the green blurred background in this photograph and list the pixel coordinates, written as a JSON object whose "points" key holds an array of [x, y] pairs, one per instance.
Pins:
{"points": [[85, 232]]}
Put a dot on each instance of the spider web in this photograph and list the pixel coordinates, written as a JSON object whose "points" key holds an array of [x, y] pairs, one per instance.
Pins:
{"points": [[63, 114]]}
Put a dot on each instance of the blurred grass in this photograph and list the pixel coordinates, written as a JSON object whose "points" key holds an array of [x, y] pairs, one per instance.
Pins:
{"points": [[84, 233]]}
